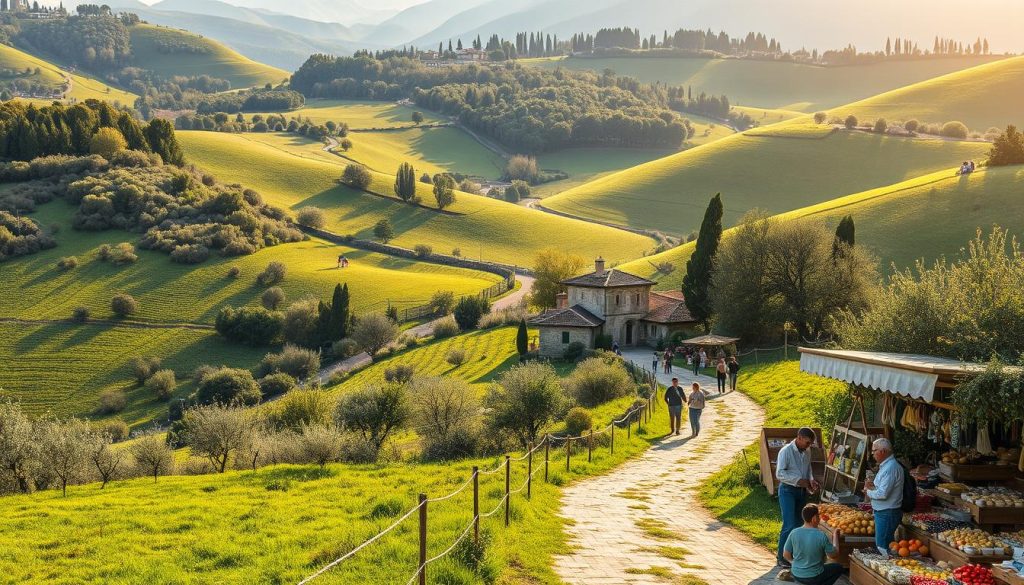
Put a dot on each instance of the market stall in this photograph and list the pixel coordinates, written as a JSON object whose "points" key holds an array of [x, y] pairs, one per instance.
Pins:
{"points": [[773, 439]]}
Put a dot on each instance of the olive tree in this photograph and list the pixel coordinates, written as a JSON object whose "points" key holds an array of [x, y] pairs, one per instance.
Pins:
{"points": [[64, 450], [107, 461], [374, 411], [447, 416], [321, 444], [374, 332], [215, 431], [525, 400], [18, 446], [152, 455]]}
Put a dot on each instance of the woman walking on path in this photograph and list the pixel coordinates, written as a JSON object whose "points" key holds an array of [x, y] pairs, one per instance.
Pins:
{"points": [[654, 364], [696, 402], [734, 371], [703, 359], [722, 372]]}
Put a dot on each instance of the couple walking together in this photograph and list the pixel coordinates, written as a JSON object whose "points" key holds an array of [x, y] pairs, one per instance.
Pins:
{"points": [[675, 397]]}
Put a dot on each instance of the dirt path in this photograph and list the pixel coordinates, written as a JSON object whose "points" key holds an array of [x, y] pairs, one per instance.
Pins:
{"points": [[642, 523]]}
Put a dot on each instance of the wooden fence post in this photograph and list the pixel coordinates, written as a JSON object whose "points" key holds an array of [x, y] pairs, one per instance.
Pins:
{"points": [[639, 420], [590, 445], [629, 428], [613, 438], [568, 452], [508, 471], [547, 455], [423, 539], [529, 471], [476, 505]]}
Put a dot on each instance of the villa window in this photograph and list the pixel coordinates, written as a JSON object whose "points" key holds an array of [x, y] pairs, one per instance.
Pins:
{"points": [[565, 337], [637, 298], [618, 300]]}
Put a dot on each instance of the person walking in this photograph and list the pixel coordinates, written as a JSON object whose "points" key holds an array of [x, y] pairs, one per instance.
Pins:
{"points": [[696, 401], [696, 362], [734, 371], [666, 361], [806, 549], [654, 364], [793, 469], [674, 398], [886, 493], [703, 359], [722, 372]]}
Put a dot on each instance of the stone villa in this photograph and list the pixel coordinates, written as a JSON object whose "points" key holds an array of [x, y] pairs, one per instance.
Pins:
{"points": [[613, 303]]}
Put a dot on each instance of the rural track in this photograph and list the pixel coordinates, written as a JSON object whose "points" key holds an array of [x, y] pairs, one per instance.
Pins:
{"points": [[113, 323]]}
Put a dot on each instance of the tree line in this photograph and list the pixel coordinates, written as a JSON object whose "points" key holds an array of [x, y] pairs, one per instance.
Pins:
{"points": [[684, 40], [100, 42]]}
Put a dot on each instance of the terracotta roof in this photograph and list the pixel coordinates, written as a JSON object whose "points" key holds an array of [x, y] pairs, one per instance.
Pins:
{"points": [[668, 307], [607, 279], [574, 316]]}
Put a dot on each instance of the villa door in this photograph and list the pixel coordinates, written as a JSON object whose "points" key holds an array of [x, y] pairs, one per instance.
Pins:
{"points": [[629, 333]]}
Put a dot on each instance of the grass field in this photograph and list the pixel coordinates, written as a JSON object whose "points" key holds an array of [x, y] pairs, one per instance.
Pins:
{"points": [[788, 398], [214, 59], [976, 97], [771, 84], [281, 523], [765, 116], [773, 173], [431, 150], [295, 173], [363, 114], [83, 87], [167, 291]]}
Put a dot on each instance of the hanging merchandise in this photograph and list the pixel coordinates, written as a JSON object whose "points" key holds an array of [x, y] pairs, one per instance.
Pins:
{"points": [[889, 411], [954, 434], [935, 422], [984, 442]]}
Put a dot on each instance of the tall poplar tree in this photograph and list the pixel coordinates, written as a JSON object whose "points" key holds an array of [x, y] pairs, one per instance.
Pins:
{"points": [[522, 339], [845, 236], [338, 326], [405, 182], [700, 268]]}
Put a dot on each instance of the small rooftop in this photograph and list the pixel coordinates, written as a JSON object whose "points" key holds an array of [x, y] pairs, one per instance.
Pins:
{"points": [[601, 278], [574, 316], [668, 307]]}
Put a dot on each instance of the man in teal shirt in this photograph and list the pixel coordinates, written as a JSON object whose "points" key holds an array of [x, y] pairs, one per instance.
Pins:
{"points": [[807, 547]]}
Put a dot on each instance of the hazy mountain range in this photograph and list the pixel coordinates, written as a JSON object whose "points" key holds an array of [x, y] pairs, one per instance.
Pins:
{"points": [[285, 33]]}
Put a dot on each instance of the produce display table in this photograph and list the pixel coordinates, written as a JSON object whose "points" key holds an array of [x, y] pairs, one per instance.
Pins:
{"points": [[941, 551], [1006, 576], [914, 533], [847, 543], [772, 441], [968, 472], [990, 516], [861, 575]]}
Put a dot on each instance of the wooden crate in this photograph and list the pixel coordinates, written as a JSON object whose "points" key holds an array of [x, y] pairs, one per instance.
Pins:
{"points": [[968, 473], [861, 575], [1006, 576], [915, 533], [992, 516], [770, 455], [940, 551]]}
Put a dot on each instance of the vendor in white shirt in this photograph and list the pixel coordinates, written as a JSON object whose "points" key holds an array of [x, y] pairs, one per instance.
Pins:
{"points": [[793, 469], [886, 493]]}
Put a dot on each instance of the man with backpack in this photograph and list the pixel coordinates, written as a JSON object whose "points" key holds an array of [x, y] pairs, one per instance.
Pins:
{"points": [[886, 491]]}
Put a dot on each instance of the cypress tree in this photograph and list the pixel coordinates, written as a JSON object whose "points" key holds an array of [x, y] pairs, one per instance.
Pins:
{"points": [[700, 268], [338, 328], [323, 323], [405, 182], [845, 236], [522, 340]]}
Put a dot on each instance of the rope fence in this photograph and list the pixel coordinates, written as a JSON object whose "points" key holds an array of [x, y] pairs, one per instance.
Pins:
{"points": [[639, 414]]}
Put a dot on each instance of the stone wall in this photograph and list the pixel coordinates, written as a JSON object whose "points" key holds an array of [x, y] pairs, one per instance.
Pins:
{"points": [[551, 339]]}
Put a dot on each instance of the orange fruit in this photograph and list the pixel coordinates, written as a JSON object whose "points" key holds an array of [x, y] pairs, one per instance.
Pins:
{"points": [[894, 545], [914, 547], [904, 552], [904, 543], [923, 550]]}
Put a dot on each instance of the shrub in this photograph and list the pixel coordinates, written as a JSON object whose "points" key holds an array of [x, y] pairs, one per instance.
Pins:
{"points": [[509, 316], [423, 251], [578, 421], [521, 167], [67, 263], [881, 126], [446, 327], [954, 129], [302, 325], [469, 310], [447, 417], [295, 361], [346, 144], [597, 380], [373, 332], [123, 304], [311, 217], [399, 373], [524, 400], [272, 274], [272, 298], [116, 429], [819, 117], [118, 255], [442, 301], [190, 254], [345, 348], [383, 231], [574, 351], [80, 314], [850, 122], [456, 356], [107, 141], [425, 178], [276, 384], [111, 401], [457, 252], [228, 386], [301, 408], [249, 325], [911, 125], [234, 272], [161, 384], [374, 411], [357, 176]]}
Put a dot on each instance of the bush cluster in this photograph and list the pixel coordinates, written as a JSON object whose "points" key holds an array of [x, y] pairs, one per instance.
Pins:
{"points": [[297, 362], [21, 236], [250, 325], [469, 310]]}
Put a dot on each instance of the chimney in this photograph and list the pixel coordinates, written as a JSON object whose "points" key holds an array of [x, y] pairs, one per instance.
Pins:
{"points": [[599, 266], [562, 301]]}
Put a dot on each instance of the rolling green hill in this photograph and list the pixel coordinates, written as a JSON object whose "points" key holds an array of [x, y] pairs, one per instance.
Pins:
{"points": [[775, 84], [83, 87], [205, 57], [977, 97], [922, 218], [801, 166], [295, 172]]}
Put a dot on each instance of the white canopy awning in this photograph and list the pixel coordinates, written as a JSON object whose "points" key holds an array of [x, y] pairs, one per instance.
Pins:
{"points": [[906, 382]]}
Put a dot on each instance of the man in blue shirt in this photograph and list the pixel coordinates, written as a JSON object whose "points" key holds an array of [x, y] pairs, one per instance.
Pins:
{"points": [[886, 493], [807, 547], [793, 468], [675, 397]]}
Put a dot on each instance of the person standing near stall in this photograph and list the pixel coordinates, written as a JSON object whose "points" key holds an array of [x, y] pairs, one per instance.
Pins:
{"points": [[793, 469], [886, 493]]}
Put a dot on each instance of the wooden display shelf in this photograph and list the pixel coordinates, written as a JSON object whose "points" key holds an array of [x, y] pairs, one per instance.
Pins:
{"points": [[940, 551], [941, 495], [969, 472], [1006, 576], [770, 455], [847, 543], [860, 574], [992, 516]]}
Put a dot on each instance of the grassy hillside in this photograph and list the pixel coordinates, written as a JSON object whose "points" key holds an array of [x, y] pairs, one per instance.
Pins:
{"points": [[770, 84], [363, 115], [977, 97], [777, 173], [211, 58], [295, 172], [431, 150], [83, 87]]}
